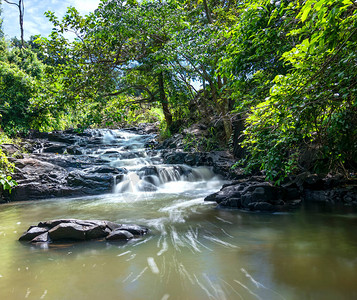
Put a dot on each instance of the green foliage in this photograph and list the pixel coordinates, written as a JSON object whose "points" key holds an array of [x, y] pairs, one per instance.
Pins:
{"points": [[1, 21], [23, 102], [311, 108], [6, 168], [288, 67]]}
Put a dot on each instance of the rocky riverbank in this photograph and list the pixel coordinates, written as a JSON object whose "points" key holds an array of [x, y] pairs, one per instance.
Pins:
{"points": [[70, 163], [255, 194]]}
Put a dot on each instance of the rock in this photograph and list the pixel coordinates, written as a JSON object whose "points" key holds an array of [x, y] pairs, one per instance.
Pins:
{"points": [[112, 226], [32, 233], [316, 196], [90, 183], [134, 229], [77, 231], [74, 150], [96, 232], [119, 234], [254, 194], [261, 206], [80, 230], [67, 231], [42, 238], [10, 149], [145, 186]]}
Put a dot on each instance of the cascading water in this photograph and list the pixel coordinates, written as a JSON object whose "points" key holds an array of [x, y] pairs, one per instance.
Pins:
{"points": [[144, 170], [193, 251]]}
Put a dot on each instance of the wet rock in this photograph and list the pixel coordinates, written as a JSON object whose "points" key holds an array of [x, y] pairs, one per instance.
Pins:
{"points": [[67, 231], [81, 230], [96, 232], [134, 229], [261, 206], [74, 150], [220, 161], [145, 186], [119, 234], [90, 183], [58, 148], [253, 194], [33, 232], [148, 171], [42, 238]]}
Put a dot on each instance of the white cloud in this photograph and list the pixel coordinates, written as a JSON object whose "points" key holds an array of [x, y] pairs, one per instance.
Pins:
{"points": [[34, 20]]}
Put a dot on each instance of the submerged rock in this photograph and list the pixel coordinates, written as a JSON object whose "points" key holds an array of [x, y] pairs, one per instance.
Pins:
{"points": [[81, 230]]}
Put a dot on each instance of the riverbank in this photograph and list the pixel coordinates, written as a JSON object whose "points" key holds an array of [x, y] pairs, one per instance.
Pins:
{"points": [[70, 163]]}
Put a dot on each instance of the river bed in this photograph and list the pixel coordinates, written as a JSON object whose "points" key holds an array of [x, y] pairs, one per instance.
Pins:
{"points": [[193, 251]]}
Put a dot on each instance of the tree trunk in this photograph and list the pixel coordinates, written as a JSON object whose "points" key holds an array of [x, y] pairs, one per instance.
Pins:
{"points": [[21, 8], [208, 12], [164, 101], [21, 13]]}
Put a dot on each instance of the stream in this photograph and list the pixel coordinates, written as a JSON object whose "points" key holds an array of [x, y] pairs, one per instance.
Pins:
{"points": [[193, 251]]}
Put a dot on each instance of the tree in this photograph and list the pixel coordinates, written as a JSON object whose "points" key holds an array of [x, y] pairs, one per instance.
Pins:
{"points": [[119, 41], [21, 8], [307, 120]]}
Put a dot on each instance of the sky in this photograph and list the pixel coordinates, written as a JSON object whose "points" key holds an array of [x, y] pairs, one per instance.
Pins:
{"points": [[34, 20]]}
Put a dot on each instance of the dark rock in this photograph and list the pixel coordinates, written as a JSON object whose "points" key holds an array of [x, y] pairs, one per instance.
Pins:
{"points": [[134, 229], [67, 231], [74, 150], [119, 234], [261, 206], [103, 170], [112, 226], [213, 197], [80, 230], [58, 148], [148, 171], [33, 232], [316, 196], [42, 238], [94, 183], [96, 232], [62, 137], [54, 223], [254, 194]]}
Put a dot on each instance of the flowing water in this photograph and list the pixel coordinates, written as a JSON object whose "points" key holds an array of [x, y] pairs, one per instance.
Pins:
{"points": [[194, 251]]}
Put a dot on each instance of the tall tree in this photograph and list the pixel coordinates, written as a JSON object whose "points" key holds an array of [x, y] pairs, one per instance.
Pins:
{"points": [[21, 8]]}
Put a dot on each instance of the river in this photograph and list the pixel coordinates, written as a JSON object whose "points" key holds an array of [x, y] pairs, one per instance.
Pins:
{"points": [[193, 251]]}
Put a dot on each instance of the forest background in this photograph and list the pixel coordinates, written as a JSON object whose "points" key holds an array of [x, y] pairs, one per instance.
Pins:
{"points": [[276, 79]]}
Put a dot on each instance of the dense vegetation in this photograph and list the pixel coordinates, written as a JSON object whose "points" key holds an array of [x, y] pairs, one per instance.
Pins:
{"points": [[287, 69]]}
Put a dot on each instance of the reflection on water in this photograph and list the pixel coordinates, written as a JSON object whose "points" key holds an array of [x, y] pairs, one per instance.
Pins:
{"points": [[194, 251]]}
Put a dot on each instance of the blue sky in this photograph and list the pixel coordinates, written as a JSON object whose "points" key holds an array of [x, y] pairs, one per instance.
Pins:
{"points": [[34, 20]]}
